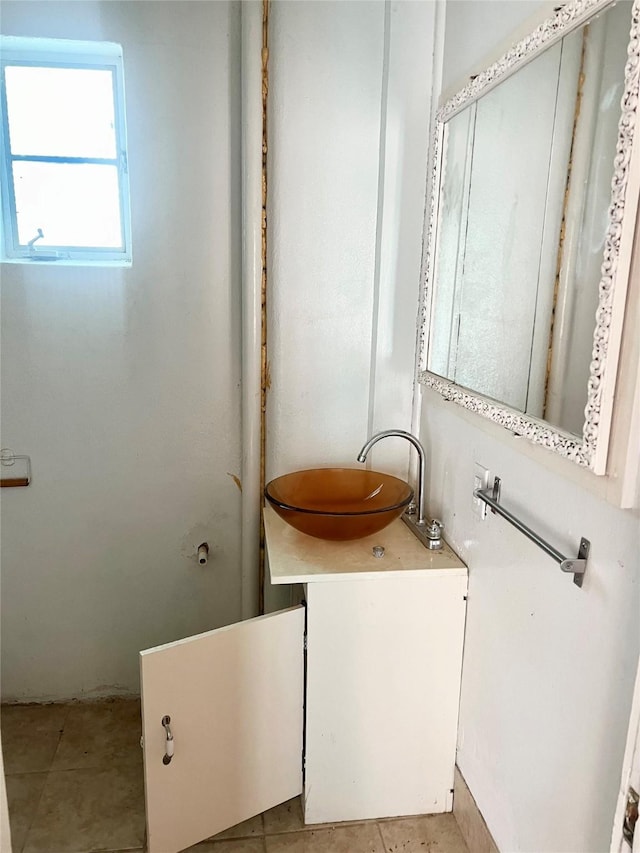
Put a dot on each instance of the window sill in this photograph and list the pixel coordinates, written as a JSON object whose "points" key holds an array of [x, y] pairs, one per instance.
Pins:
{"points": [[69, 262]]}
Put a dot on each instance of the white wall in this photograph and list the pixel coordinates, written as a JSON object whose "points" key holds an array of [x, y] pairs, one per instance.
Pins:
{"points": [[123, 384], [350, 87], [548, 668], [474, 28]]}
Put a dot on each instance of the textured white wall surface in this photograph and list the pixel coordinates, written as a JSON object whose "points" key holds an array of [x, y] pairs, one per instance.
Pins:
{"points": [[350, 88], [548, 668], [475, 28], [326, 78], [123, 384]]}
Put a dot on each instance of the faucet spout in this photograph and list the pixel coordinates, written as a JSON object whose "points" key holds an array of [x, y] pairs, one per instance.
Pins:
{"points": [[400, 433]]}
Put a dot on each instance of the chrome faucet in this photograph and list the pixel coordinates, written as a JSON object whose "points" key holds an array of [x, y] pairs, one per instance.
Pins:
{"points": [[400, 433]]}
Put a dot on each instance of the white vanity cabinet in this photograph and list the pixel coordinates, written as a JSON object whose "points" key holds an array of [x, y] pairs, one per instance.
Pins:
{"points": [[371, 715]]}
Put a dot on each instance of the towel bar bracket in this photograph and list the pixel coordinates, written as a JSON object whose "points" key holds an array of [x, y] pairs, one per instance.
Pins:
{"points": [[579, 565]]}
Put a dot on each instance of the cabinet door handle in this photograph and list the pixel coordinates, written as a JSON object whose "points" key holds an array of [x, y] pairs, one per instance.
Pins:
{"points": [[168, 748]]}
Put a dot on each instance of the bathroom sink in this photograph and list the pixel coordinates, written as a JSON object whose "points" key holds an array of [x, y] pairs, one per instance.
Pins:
{"points": [[338, 503]]}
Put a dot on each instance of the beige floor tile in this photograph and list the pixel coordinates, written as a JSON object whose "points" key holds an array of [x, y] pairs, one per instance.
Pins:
{"points": [[435, 833], [23, 795], [238, 845], [355, 838], [94, 809], [246, 829], [287, 817], [100, 734], [30, 736]]}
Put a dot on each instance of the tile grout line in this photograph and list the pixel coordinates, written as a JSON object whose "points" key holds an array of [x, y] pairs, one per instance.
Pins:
{"points": [[60, 733], [309, 828], [36, 810], [25, 772], [34, 813], [384, 846], [47, 772]]}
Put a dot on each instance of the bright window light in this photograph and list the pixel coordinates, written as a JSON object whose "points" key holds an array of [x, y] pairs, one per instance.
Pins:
{"points": [[65, 190]]}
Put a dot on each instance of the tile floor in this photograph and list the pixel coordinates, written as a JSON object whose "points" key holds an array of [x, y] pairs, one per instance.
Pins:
{"points": [[74, 784]]}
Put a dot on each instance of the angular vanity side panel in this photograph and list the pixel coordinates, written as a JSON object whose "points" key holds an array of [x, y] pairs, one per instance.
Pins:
{"points": [[383, 685]]}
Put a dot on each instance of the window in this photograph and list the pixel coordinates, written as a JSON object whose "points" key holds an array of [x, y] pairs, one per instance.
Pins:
{"points": [[65, 189]]}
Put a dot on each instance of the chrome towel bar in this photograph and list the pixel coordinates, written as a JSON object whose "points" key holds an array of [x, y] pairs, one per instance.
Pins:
{"points": [[576, 565]]}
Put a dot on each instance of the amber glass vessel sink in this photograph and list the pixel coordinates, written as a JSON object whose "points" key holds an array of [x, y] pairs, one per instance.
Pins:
{"points": [[338, 503]]}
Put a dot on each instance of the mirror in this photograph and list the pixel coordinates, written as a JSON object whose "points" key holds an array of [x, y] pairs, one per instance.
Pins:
{"points": [[525, 228]]}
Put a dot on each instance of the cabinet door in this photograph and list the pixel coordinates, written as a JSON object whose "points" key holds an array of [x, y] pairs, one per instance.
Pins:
{"points": [[383, 687], [235, 701]]}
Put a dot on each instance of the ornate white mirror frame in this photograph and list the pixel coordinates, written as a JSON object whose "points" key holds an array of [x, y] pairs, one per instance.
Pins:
{"points": [[590, 450]]}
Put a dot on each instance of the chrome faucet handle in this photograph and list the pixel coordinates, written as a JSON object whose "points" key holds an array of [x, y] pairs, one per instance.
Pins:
{"points": [[434, 534]]}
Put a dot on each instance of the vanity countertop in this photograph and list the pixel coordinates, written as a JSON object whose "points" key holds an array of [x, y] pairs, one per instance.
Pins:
{"points": [[295, 557]]}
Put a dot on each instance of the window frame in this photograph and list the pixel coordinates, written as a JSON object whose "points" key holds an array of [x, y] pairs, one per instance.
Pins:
{"points": [[63, 53]]}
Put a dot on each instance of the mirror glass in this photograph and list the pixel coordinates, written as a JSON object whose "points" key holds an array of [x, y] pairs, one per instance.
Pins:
{"points": [[525, 191]]}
